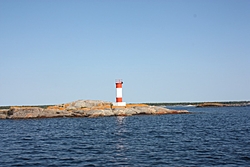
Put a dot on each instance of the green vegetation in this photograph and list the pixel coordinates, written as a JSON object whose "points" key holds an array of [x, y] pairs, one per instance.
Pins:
{"points": [[4, 107], [170, 104], [197, 103], [41, 106]]}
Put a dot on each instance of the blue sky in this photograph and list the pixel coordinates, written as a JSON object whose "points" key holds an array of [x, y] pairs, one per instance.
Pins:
{"points": [[59, 51]]}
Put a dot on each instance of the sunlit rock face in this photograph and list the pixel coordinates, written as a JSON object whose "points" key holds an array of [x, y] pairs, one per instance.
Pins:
{"points": [[85, 108]]}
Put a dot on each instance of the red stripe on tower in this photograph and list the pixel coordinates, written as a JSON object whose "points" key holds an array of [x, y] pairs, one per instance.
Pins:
{"points": [[119, 99]]}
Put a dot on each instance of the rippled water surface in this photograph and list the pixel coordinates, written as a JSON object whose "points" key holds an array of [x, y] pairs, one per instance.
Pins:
{"points": [[206, 137]]}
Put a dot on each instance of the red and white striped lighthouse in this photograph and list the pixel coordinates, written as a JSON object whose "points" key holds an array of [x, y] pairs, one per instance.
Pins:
{"points": [[118, 84]]}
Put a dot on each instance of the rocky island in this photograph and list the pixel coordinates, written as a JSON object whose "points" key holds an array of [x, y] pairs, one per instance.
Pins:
{"points": [[84, 108]]}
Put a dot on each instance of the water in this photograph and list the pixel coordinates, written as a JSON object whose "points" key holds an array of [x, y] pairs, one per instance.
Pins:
{"points": [[207, 137]]}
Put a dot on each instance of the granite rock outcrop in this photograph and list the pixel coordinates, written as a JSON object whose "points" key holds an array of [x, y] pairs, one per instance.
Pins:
{"points": [[84, 108]]}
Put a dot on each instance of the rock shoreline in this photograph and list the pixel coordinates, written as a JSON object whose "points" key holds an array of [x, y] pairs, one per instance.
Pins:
{"points": [[84, 108]]}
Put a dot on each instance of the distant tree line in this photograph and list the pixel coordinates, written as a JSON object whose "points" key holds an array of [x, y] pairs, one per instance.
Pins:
{"points": [[41, 106], [196, 103], [4, 107]]}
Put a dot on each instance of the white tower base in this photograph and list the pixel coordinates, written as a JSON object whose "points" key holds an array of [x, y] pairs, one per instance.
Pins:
{"points": [[119, 104]]}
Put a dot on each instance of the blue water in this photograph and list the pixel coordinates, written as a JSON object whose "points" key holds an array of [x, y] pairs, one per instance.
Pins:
{"points": [[206, 137]]}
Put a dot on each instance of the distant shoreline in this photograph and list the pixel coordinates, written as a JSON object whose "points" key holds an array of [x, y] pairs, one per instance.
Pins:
{"points": [[203, 104], [225, 103]]}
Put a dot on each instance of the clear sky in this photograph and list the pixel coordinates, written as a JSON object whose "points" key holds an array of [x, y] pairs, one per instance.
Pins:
{"points": [[58, 51]]}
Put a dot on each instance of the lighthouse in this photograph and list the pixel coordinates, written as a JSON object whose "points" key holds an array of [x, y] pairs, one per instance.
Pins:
{"points": [[118, 85]]}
